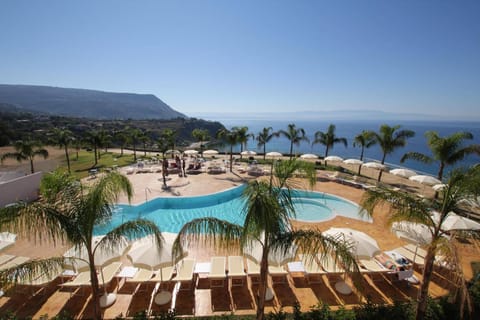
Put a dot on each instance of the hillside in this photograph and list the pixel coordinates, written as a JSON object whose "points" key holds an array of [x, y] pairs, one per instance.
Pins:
{"points": [[91, 104]]}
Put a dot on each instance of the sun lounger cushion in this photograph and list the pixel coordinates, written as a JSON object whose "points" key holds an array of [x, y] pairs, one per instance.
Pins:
{"points": [[142, 274], [5, 257], [14, 262], [329, 264], [236, 267], [217, 273], [108, 272], [185, 270]]}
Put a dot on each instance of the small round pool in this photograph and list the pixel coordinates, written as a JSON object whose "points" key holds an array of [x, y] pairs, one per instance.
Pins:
{"points": [[170, 214]]}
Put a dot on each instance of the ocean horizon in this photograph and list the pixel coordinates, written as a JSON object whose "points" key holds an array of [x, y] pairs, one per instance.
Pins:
{"points": [[349, 129]]}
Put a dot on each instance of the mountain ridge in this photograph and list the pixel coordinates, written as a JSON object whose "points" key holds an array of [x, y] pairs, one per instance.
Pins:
{"points": [[87, 102]]}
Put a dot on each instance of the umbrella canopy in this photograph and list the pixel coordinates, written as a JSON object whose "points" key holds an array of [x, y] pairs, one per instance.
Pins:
{"points": [[189, 152], [273, 154], [309, 156], [362, 244], [439, 187], [423, 179], [353, 161], [254, 249], [102, 254], [405, 173], [145, 251], [248, 153], [455, 222], [374, 165], [170, 151], [210, 152], [333, 158], [416, 233]]}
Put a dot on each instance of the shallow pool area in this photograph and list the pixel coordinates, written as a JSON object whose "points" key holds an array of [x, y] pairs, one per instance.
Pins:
{"points": [[171, 213]]}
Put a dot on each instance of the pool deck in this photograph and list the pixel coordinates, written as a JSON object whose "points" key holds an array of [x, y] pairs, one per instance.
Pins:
{"points": [[203, 300]]}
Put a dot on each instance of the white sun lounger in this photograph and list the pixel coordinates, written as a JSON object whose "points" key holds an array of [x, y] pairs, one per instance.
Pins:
{"points": [[236, 270], [330, 265], [109, 273], [372, 268], [420, 252], [185, 272], [419, 260], [313, 271], [253, 270], [278, 273], [13, 263], [43, 280], [5, 257], [217, 274]]}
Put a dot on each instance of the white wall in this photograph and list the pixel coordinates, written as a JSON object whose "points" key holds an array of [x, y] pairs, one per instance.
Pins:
{"points": [[23, 188]]}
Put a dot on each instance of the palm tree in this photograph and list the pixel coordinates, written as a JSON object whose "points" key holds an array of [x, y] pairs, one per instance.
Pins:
{"points": [[63, 138], [123, 138], [70, 211], [144, 138], [446, 150], [242, 137], [263, 137], [295, 135], [169, 136], [26, 150], [105, 140], [94, 139], [201, 136], [390, 139], [267, 212], [135, 135], [328, 139], [229, 137], [406, 207], [365, 139]]}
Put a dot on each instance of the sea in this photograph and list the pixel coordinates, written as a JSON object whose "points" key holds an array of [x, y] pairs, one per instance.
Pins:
{"points": [[350, 128]]}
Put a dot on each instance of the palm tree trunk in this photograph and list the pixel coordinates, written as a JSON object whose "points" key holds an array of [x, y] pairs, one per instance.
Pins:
{"points": [[262, 286], [291, 149], [264, 150], [134, 152], [97, 312], [95, 154], [423, 293], [68, 158], [361, 154], [231, 157], [121, 151], [31, 165], [145, 149], [440, 171]]}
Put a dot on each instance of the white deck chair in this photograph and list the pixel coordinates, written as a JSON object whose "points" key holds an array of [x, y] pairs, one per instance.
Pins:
{"points": [[236, 270], [142, 276], [13, 262], [313, 271], [5, 257], [185, 274], [330, 266], [419, 260], [278, 274], [109, 272], [217, 274], [7, 239], [253, 270], [373, 269]]}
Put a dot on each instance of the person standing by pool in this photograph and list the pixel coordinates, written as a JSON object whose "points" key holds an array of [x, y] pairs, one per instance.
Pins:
{"points": [[183, 168]]}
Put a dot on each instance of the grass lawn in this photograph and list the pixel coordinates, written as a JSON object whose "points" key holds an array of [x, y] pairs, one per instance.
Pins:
{"points": [[85, 162]]}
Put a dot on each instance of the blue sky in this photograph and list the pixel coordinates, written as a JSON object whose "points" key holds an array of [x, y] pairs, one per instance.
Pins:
{"points": [[253, 56]]}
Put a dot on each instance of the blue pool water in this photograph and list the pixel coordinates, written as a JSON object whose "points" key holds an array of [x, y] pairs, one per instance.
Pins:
{"points": [[170, 214]]}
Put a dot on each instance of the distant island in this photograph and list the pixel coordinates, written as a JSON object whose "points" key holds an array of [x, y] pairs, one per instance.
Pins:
{"points": [[85, 103]]}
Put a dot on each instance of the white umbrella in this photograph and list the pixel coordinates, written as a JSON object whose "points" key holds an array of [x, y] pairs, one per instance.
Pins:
{"points": [[145, 251], [423, 179], [210, 152], [439, 187], [401, 172], [102, 254], [333, 158], [254, 249], [170, 151], [273, 154], [248, 153], [309, 156], [455, 222], [353, 161], [374, 165], [416, 233], [362, 244], [190, 152]]}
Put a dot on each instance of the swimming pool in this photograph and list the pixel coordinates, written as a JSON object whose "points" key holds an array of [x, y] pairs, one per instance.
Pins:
{"points": [[170, 214]]}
